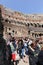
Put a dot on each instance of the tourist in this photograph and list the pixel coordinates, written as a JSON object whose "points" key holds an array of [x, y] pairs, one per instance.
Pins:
{"points": [[40, 57]]}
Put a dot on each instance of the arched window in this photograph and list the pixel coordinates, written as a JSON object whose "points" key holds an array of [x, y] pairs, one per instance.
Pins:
{"points": [[6, 20], [31, 24], [13, 31], [29, 32], [35, 24], [9, 28], [28, 24]]}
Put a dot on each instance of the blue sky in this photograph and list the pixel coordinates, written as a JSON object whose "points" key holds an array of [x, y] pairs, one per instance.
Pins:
{"points": [[24, 6]]}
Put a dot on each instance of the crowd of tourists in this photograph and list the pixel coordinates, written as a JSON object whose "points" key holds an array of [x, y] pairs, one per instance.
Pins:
{"points": [[12, 50], [25, 47]]}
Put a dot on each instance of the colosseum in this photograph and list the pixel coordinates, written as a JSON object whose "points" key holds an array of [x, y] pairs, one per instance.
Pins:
{"points": [[21, 25]]}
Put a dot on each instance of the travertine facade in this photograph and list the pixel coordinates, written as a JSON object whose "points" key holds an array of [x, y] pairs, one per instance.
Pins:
{"points": [[21, 25]]}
